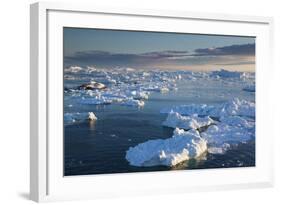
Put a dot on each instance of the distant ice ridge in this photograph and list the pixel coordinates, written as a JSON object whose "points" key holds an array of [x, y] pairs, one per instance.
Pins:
{"points": [[222, 73], [226, 74], [233, 107], [118, 85], [183, 146], [175, 120]]}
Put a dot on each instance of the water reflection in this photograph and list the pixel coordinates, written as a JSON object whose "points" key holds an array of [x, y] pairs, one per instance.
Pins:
{"points": [[92, 125], [192, 163]]}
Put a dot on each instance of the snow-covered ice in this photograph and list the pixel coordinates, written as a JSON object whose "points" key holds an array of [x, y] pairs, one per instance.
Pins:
{"points": [[234, 120], [221, 134], [183, 146], [175, 119]]}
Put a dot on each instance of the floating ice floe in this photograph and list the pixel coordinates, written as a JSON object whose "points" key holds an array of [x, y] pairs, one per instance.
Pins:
{"points": [[174, 120], [183, 146], [233, 107]]}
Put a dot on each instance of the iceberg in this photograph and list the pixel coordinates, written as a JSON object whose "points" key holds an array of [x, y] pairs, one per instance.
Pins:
{"points": [[184, 145], [174, 120]]}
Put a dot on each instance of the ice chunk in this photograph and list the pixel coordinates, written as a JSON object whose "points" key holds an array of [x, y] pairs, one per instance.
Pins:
{"points": [[92, 116], [174, 120], [183, 146]]}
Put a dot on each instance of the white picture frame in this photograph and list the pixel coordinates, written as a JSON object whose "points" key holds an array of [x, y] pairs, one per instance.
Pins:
{"points": [[47, 182]]}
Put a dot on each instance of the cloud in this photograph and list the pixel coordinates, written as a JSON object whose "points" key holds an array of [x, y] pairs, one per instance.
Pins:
{"points": [[234, 55], [239, 63], [123, 59], [164, 54], [243, 49]]}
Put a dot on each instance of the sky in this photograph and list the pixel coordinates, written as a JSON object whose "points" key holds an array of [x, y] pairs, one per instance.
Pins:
{"points": [[155, 50]]}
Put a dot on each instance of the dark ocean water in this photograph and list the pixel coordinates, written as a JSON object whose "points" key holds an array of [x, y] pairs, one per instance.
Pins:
{"points": [[100, 147]]}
